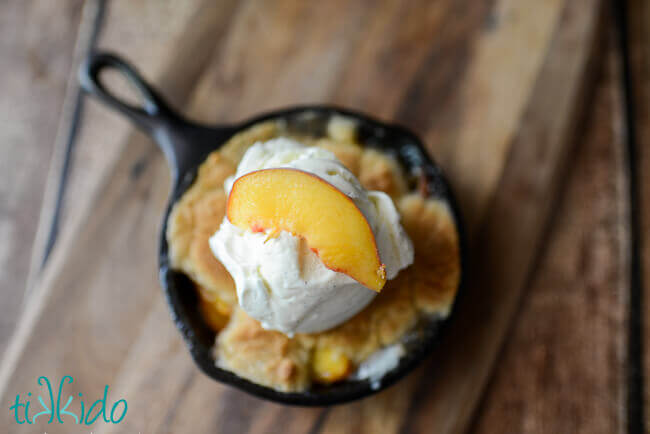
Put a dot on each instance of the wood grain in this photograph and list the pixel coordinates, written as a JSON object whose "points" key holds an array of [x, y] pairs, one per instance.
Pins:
{"points": [[37, 51], [563, 367], [639, 44], [502, 75], [225, 63], [524, 196], [94, 291]]}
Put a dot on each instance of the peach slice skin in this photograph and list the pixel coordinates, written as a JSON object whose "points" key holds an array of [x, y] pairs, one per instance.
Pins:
{"points": [[309, 207]]}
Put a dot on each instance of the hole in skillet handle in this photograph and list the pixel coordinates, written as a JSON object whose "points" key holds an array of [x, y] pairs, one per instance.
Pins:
{"points": [[184, 143], [153, 111]]}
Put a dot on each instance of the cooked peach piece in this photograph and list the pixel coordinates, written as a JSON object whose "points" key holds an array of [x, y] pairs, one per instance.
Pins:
{"points": [[309, 207], [330, 365], [214, 314]]}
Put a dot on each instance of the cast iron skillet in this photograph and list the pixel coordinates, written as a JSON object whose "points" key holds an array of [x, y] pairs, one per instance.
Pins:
{"points": [[186, 145]]}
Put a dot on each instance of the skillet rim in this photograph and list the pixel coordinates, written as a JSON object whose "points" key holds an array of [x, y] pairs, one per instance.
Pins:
{"points": [[349, 390]]}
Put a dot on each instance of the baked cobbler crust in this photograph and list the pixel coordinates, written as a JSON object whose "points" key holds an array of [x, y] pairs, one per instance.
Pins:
{"points": [[266, 357], [270, 358], [194, 218]]}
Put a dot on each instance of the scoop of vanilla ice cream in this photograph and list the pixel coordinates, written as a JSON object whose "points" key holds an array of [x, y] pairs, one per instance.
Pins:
{"points": [[280, 281]]}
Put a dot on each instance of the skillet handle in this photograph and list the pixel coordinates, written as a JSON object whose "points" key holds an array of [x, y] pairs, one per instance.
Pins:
{"points": [[185, 144], [154, 112]]}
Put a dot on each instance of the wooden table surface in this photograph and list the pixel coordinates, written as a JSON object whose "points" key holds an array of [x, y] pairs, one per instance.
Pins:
{"points": [[538, 111]]}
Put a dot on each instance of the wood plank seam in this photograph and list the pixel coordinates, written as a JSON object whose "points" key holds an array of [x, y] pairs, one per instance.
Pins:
{"points": [[71, 139], [48, 226], [635, 380], [638, 20]]}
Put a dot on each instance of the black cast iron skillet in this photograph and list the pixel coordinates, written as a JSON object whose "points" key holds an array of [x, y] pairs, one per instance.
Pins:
{"points": [[186, 145]]}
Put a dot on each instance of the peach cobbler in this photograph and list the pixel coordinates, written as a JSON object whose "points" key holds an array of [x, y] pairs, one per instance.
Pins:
{"points": [[314, 256]]}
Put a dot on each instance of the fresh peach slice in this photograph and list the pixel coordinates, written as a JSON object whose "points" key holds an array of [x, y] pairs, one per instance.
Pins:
{"points": [[309, 207]]}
